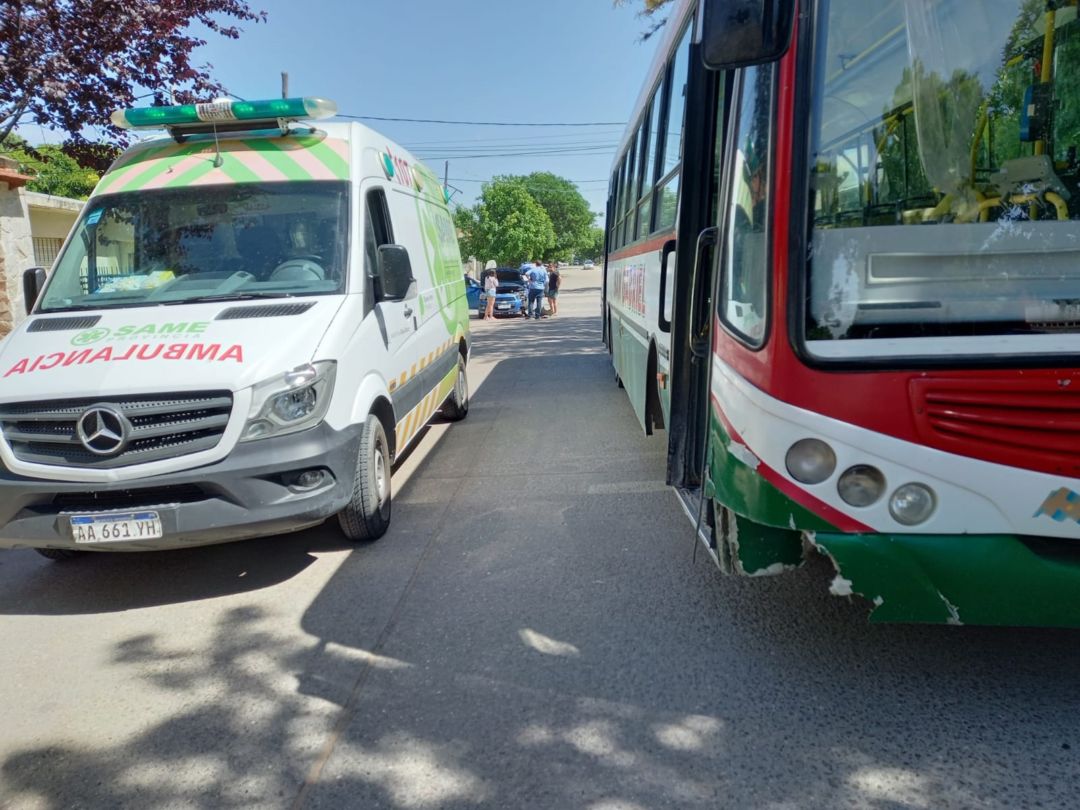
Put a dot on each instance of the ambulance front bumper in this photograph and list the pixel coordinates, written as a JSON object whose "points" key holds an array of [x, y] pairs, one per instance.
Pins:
{"points": [[259, 489]]}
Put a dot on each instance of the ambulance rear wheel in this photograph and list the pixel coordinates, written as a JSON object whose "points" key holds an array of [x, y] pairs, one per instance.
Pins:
{"points": [[367, 514], [58, 553]]}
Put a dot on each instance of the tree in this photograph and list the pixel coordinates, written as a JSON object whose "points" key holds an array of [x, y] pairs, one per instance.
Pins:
{"points": [[593, 248], [507, 224], [54, 172], [67, 64], [567, 209], [649, 12]]}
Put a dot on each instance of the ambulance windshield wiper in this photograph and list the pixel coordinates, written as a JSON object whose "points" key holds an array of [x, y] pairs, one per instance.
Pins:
{"points": [[206, 299]]}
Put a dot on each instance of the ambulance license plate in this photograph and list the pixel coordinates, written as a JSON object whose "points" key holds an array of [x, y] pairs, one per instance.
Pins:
{"points": [[116, 527]]}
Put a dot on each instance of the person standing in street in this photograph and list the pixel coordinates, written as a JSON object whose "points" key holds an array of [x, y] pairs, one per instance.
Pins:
{"points": [[553, 282], [536, 278], [491, 288]]}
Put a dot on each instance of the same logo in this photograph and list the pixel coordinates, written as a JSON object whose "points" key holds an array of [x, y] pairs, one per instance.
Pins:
{"points": [[89, 336]]}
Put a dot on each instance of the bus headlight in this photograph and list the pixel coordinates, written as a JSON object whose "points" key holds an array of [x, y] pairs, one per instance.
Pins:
{"points": [[912, 504], [290, 402], [810, 461], [861, 485]]}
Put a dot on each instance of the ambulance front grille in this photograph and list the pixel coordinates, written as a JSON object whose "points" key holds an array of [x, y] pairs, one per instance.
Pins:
{"points": [[157, 427]]}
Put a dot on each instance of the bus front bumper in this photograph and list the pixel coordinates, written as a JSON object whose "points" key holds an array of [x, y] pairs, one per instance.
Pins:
{"points": [[959, 579]]}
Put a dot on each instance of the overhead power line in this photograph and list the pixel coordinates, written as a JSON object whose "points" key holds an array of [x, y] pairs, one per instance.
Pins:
{"points": [[488, 123], [579, 151], [513, 140], [488, 180]]}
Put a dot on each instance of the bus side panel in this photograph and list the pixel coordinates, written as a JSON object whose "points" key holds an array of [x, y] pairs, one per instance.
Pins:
{"points": [[631, 357], [633, 284]]}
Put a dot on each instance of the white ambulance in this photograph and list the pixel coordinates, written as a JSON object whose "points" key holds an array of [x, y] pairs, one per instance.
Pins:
{"points": [[251, 320]]}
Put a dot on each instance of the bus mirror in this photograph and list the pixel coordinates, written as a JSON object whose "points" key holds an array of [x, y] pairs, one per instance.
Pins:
{"points": [[739, 33]]}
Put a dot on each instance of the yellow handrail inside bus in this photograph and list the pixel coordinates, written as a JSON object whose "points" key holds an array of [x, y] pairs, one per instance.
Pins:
{"points": [[1060, 206], [1047, 62]]}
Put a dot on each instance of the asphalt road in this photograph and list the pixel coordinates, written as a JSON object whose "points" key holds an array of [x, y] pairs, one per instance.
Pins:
{"points": [[534, 632]]}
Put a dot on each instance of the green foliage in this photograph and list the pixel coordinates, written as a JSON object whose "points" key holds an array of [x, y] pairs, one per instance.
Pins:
{"points": [[593, 248], [568, 210], [649, 9], [67, 64], [507, 224], [54, 172]]}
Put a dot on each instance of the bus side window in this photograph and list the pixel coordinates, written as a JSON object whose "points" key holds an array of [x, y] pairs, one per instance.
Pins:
{"points": [[667, 202], [743, 299]]}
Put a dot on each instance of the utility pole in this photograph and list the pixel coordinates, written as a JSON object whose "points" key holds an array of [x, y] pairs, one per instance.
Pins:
{"points": [[446, 176], [284, 84]]}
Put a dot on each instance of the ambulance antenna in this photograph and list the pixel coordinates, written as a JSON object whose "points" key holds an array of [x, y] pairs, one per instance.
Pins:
{"points": [[218, 160]]}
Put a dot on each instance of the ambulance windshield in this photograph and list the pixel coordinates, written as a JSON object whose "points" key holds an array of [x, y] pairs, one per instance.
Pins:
{"points": [[176, 246]]}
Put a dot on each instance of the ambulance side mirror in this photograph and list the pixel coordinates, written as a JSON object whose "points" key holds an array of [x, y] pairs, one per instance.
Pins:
{"points": [[395, 272], [33, 281]]}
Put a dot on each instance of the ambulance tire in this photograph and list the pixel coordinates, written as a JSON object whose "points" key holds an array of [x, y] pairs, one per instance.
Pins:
{"points": [[367, 514], [456, 406], [58, 553]]}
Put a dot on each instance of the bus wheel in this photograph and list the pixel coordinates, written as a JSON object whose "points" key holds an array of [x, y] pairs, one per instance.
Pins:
{"points": [[456, 406], [58, 553], [618, 380], [367, 514]]}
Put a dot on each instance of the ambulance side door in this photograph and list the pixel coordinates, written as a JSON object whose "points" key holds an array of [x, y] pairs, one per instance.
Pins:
{"points": [[397, 316]]}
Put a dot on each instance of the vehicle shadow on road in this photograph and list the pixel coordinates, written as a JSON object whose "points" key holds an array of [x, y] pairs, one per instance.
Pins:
{"points": [[103, 582]]}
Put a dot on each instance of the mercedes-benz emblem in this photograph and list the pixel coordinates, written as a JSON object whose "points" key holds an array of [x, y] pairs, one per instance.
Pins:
{"points": [[103, 430]]}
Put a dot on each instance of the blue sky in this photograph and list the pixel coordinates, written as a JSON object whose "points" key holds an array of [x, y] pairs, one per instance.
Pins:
{"points": [[476, 60]]}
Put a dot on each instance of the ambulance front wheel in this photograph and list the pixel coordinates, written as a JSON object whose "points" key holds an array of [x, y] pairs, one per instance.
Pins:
{"points": [[367, 515]]}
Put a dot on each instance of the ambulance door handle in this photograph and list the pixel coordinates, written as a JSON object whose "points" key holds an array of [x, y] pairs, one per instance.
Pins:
{"points": [[662, 321], [407, 312]]}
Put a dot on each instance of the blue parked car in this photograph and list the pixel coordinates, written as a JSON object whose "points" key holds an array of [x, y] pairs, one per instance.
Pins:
{"points": [[509, 298]]}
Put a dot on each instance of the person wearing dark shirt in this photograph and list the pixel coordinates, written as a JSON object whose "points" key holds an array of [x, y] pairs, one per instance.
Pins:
{"points": [[554, 280]]}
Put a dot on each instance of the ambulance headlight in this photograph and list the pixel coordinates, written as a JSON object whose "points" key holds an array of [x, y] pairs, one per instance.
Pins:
{"points": [[810, 461], [291, 402], [912, 504]]}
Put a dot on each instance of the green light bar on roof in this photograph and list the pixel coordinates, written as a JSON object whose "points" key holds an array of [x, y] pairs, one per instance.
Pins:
{"points": [[224, 112]]}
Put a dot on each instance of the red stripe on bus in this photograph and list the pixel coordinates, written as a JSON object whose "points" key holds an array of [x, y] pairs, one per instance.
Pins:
{"points": [[654, 244], [823, 510], [785, 126]]}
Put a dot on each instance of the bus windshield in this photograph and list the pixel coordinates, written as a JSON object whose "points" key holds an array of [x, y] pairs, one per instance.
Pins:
{"points": [[176, 246], [945, 179]]}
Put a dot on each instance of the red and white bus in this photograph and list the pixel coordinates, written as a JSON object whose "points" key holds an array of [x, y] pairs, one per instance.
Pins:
{"points": [[843, 274]]}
